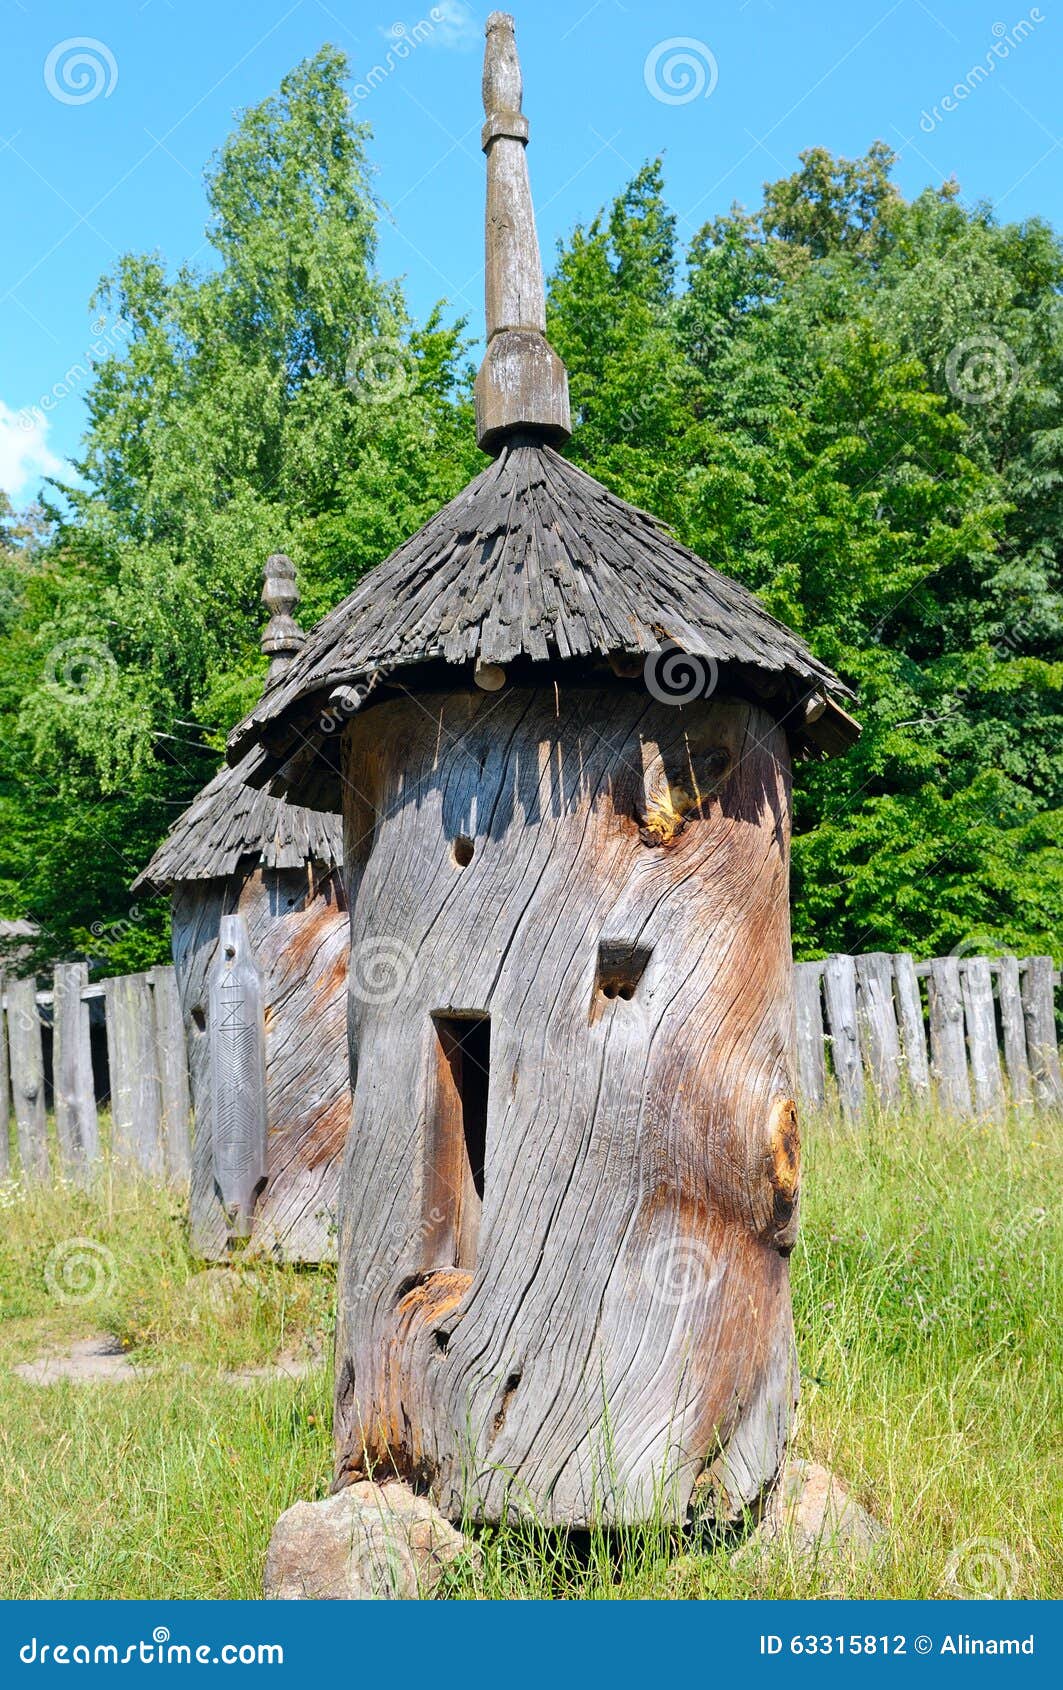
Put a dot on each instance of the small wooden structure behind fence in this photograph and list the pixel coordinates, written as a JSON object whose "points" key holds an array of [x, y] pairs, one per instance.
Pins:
{"points": [[146, 1075], [976, 1031]]}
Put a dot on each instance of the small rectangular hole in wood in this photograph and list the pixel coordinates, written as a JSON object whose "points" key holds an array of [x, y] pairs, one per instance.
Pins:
{"points": [[621, 966], [457, 1138]]}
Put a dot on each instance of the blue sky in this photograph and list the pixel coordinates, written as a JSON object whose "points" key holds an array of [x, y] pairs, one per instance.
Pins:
{"points": [[103, 145]]}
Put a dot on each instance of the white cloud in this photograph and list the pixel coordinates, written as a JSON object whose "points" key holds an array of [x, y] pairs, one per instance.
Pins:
{"points": [[456, 27], [25, 456]]}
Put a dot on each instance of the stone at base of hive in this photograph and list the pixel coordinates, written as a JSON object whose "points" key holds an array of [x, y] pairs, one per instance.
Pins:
{"points": [[368, 1542], [811, 1515]]}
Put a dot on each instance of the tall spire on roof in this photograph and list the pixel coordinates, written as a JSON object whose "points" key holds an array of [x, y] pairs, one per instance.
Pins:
{"points": [[282, 636], [522, 383]]}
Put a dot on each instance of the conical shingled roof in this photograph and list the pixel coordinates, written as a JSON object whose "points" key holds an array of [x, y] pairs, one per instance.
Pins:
{"points": [[537, 560]]}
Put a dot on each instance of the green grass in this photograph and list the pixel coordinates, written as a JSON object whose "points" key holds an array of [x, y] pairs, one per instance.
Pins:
{"points": [[927, 1301]]}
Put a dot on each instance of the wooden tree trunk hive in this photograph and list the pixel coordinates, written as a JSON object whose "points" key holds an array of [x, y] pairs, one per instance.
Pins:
{"points": [[239, 851], [563, 1277], [572, 1186]]}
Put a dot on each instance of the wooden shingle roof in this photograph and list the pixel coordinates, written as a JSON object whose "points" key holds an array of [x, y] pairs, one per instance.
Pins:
{"points": [[231, 825], [536, 561]]}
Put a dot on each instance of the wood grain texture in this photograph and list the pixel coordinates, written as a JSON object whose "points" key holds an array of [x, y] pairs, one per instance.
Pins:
{"points": [[948, 1048], [809, 1033], [877, 1018], [1039, 1005], [298, 931], [628, 1313], [136, 1097], [980, 1019], [839, 993], [26, 1054], [76, 1124], [171, 1061], [911, 1024], [1013, 1028]]}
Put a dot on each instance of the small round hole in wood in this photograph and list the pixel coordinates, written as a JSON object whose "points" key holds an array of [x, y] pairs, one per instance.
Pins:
{"points": [[199, 1019], [462, 850]]}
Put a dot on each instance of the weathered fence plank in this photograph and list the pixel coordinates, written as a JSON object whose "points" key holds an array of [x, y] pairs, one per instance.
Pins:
{"points": [[172, 1066], [1013, 1027], [76, 1125], [877, 1021], [808, 1013], [910, 1020], [1039, 1005], [236, 1019], [839, 990], [5, 1093], [980, 1016], [948, 1050], [27, 1077], [136, 1103]]}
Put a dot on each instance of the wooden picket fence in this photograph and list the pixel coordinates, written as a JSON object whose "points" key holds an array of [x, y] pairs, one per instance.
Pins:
{"points": [[145, 1078], [973, 1031], [862, 1026]]}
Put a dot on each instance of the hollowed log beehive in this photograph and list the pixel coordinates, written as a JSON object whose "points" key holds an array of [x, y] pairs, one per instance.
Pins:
{"points": [[237, 850], [565, 783]]}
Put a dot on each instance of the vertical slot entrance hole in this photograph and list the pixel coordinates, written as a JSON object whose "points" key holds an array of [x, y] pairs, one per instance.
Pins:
{"points": [[458, 1137]]}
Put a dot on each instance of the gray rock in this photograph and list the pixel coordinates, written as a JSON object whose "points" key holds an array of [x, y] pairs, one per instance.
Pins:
{"points": [[812, 1515], [366, 1542]]}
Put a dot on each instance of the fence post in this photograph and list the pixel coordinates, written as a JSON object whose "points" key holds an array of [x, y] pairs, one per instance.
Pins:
{"points": [[877, 1021], [977, 984], [136, 1107], [910, 1017], [27, 1077], [1039, 1004], [1013, 1026], [948, 1052], [5, 1094], [172, 1067], [808, 1014], [839, 990], [236, 1018], [76, 1125]]}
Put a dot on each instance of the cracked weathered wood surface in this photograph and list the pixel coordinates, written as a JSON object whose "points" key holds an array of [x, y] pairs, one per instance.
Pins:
{"points": [[297, 923], [628, 1311]]}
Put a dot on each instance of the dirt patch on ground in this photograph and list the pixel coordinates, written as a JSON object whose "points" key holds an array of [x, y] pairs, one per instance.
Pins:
{"points": [[89, 1361]]}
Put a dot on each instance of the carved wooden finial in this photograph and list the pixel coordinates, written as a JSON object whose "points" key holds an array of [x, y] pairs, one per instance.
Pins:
{"points": [[522, 383], [282, 636]]}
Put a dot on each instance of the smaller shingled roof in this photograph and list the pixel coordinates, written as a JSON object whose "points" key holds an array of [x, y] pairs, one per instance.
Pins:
{"points": [[231, 824]]}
